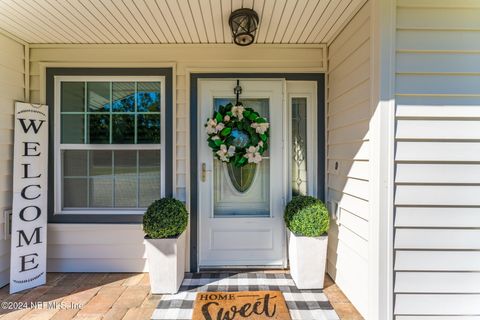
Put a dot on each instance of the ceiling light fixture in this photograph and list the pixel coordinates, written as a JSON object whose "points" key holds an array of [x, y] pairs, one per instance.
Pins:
{"points": [[243, 23]]}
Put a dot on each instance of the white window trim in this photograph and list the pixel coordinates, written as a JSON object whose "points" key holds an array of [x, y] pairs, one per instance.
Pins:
{"points": [[308, 90], [58, 147]]}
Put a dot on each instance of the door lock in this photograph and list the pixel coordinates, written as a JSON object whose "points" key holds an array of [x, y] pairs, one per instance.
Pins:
{"points": [[204, 172]]}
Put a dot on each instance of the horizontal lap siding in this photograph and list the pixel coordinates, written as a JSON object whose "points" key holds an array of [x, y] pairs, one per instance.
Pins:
{"points": [[110, 249], [96, 248], [437, 176], [12, 87], [348, 155]]}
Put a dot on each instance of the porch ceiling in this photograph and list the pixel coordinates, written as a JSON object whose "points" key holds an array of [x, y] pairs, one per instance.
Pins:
{"points": [[171, 21]]}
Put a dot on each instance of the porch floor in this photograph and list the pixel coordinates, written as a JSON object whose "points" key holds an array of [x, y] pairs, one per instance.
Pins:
{"points": [[110, 296]]}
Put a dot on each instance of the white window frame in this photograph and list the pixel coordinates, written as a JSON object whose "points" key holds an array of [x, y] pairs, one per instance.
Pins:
{"points": [[58, 147], [308, 90]]}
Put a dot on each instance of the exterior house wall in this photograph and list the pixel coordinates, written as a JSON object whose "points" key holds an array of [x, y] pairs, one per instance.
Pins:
{"points": [[12, 87], [437, 197], [348, 115], [104, 249]]}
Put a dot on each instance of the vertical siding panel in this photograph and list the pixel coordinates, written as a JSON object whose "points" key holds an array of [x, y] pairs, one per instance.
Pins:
{"points": [[348, 163], [438, 108]]}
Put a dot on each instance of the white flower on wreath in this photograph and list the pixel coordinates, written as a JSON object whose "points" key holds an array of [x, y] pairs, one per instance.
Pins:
{"points": [[226, 118], [253, 155], [238, 111], [214, 127], [225, 154], [260, 128]]}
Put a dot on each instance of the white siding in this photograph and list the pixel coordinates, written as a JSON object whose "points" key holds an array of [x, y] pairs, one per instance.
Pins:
{"points": [[104, 249], [95, 248], [437, 216], [12, 88], [348, 115]]}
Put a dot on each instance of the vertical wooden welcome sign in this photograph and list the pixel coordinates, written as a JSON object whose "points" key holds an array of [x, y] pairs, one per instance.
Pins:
{"points": [[29, 212]]}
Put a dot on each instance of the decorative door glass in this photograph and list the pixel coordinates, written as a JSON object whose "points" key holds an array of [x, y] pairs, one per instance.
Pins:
{"points": [[299, 146], [242, 191]]}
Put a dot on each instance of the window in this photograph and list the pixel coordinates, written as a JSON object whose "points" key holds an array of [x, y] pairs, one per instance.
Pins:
{"points": [[302, 118], [109, 145], [299, 146]]}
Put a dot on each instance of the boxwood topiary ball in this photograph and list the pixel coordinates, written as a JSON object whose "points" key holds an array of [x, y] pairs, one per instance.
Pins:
{"points": [[307, 216], [165, 218]]}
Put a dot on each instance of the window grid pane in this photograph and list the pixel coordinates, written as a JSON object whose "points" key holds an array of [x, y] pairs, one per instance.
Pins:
{"points": [[109, 108], [110, 179]]}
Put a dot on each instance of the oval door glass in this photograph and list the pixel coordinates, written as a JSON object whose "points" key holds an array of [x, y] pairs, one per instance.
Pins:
{"points": [[242, 178], [242, 191]]}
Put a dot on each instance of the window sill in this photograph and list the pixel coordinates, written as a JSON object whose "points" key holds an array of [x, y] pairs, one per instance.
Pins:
{"points": [[95, 216], [109, 211]]}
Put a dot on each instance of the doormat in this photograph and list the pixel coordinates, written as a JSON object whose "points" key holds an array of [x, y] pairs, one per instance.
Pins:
{"points": [[302, 304], [252, 305]]}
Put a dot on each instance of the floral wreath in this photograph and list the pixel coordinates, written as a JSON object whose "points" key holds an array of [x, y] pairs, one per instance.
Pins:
{"points": [[238, 135]]}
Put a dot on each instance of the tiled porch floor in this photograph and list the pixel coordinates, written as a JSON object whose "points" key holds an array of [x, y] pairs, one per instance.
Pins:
{"points": [[112, 296]]}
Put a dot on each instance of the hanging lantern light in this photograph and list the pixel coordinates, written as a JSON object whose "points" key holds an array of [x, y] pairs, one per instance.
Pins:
{"points": [[244, 23]]}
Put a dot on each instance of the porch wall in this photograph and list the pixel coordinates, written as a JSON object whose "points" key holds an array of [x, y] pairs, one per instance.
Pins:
{"points": [[437, 200], [120, 247], [348, 115], [12, 87]]}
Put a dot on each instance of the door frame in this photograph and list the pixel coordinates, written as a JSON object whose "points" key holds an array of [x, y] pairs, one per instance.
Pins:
{"points": [[194, 77]]}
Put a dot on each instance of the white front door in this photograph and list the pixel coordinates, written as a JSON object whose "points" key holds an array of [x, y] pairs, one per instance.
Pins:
{"points": [[241, 210]]}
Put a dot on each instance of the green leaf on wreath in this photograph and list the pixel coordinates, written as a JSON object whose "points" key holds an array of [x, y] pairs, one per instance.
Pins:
{"points": [[218, 142], [218, 117], [242, 160], [252, 116], [261, 120], [264, 137], [212, 144], [254, 139], [226, 131], [246, 113]]}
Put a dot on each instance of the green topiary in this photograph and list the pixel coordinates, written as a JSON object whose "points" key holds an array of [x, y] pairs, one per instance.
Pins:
{"points": [[307, 216], [165, 218]]}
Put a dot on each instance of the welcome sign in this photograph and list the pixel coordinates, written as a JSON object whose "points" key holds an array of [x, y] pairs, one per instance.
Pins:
{"points": [[29, 212]]}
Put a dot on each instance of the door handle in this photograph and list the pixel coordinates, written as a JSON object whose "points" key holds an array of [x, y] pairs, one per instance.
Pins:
{"points": [[204, 172]]}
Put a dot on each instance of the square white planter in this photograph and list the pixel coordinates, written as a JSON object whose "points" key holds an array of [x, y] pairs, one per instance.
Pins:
{"points": [[166, 263], [308, 259]]}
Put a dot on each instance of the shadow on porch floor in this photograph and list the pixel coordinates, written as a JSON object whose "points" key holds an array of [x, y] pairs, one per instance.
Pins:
{"points": [[109, 296]]}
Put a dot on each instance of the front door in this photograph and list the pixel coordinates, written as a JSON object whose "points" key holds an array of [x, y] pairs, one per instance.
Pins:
{"points": [[241, 210]]}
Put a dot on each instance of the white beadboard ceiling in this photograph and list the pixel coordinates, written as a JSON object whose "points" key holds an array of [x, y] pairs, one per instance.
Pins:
{"points": [[171, 21]]}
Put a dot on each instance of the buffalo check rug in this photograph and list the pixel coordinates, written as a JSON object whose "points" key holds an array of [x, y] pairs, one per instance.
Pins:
{"points": [[302, 304]]}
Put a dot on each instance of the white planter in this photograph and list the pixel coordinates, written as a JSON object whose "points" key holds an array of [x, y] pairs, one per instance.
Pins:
{"points": [[166, 263], [308, 258]]}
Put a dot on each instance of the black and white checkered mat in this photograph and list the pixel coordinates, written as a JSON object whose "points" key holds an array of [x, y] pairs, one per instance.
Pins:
{"points": [[302, 304]]}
